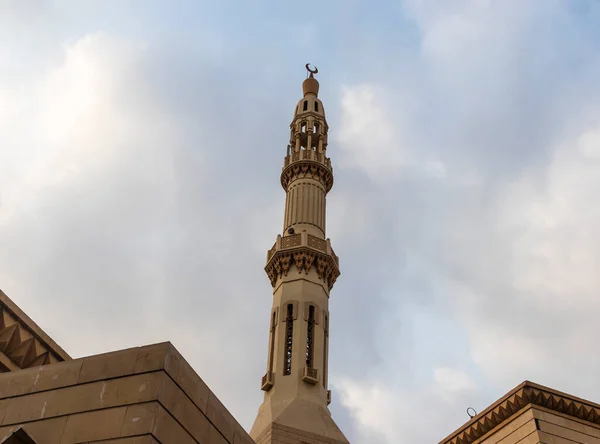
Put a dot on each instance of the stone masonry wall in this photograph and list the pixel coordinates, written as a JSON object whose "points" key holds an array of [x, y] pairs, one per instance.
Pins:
{"points": [[280, 434], [141, 395]]}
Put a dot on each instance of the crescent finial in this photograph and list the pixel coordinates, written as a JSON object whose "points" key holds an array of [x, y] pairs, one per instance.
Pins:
{"points": [[312, 70]]}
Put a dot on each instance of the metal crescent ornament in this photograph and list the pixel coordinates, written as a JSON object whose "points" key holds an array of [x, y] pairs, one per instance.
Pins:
{"points": [[312, 71]]}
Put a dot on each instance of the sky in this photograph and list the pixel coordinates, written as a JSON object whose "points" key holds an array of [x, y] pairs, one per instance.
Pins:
{"points": [[141, 144]]}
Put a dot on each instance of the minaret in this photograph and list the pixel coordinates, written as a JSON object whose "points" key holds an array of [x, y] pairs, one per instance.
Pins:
{"points": [[302, 268]]}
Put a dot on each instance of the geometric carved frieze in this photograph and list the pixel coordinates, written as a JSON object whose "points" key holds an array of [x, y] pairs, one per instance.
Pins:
{"points": [[302, 251], [310, 168], [21, 346], [524, 395]]}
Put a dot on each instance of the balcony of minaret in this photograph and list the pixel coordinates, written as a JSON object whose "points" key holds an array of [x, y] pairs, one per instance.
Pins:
{"points": [[300, 253], [307, 164], [304, 154]]}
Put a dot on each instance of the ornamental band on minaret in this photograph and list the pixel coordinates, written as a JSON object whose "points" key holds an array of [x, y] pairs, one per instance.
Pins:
{"points": [[302, 268]]}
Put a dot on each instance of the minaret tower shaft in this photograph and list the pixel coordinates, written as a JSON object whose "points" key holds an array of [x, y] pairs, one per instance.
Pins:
{"points": [[302, 268]]}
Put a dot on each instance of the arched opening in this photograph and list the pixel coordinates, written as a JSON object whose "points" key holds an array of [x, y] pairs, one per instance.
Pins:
{"points": [[303, 138]]}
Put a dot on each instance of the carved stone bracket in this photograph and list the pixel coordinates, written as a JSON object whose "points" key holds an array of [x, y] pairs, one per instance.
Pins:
{"points": [[310, 375], [304, 168], [267, 381], [306, 251]]}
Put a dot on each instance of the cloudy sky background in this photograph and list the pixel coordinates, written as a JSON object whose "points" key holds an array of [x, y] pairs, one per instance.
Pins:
{"points": [[140, 150]]}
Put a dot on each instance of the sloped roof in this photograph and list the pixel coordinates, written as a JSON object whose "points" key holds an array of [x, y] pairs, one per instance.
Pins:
{"points": [[23, 343], [527, 393], [19, 437]]}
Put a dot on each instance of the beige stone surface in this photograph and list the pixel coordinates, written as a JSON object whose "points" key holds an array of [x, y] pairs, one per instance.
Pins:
{"points": [[139, 395], [557, 427], [19, 437], [279, 434], [522, 427], [145, 439]]}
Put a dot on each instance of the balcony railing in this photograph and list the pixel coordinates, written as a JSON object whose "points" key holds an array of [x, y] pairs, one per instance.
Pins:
{"points": [[303, 239]]}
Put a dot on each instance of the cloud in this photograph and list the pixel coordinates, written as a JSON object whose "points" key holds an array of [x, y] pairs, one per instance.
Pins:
{"points": [[506, 236], [139, 193], [366, 134], [109, 219], [551, 223], [452, 380], [395, 413]]}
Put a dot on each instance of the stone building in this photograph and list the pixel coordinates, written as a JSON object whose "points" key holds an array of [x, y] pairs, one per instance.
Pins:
{"points": [[141, 395], [151, 394], [532, 414]]}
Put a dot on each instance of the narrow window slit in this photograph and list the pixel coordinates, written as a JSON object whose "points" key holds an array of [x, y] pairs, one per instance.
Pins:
{"points": [[325, 345], [272, 351], [310, 336], [289, 333]]}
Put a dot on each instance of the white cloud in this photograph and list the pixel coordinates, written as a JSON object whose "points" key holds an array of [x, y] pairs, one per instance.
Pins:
{"points": [[396, 412], [513, 253], [114, 226], [373, 407], [136, 180], [550, 224], [452, 380], [374, 137], [366, 136], [79, 123]]}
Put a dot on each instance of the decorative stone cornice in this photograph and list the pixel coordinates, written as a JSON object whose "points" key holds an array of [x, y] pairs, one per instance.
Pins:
{"points": [[304, 251], [22, 343], [518, 399], [307, 164]]}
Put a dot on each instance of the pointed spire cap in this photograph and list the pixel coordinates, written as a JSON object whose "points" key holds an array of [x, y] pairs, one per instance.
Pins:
{"points": [[310, 85]]}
